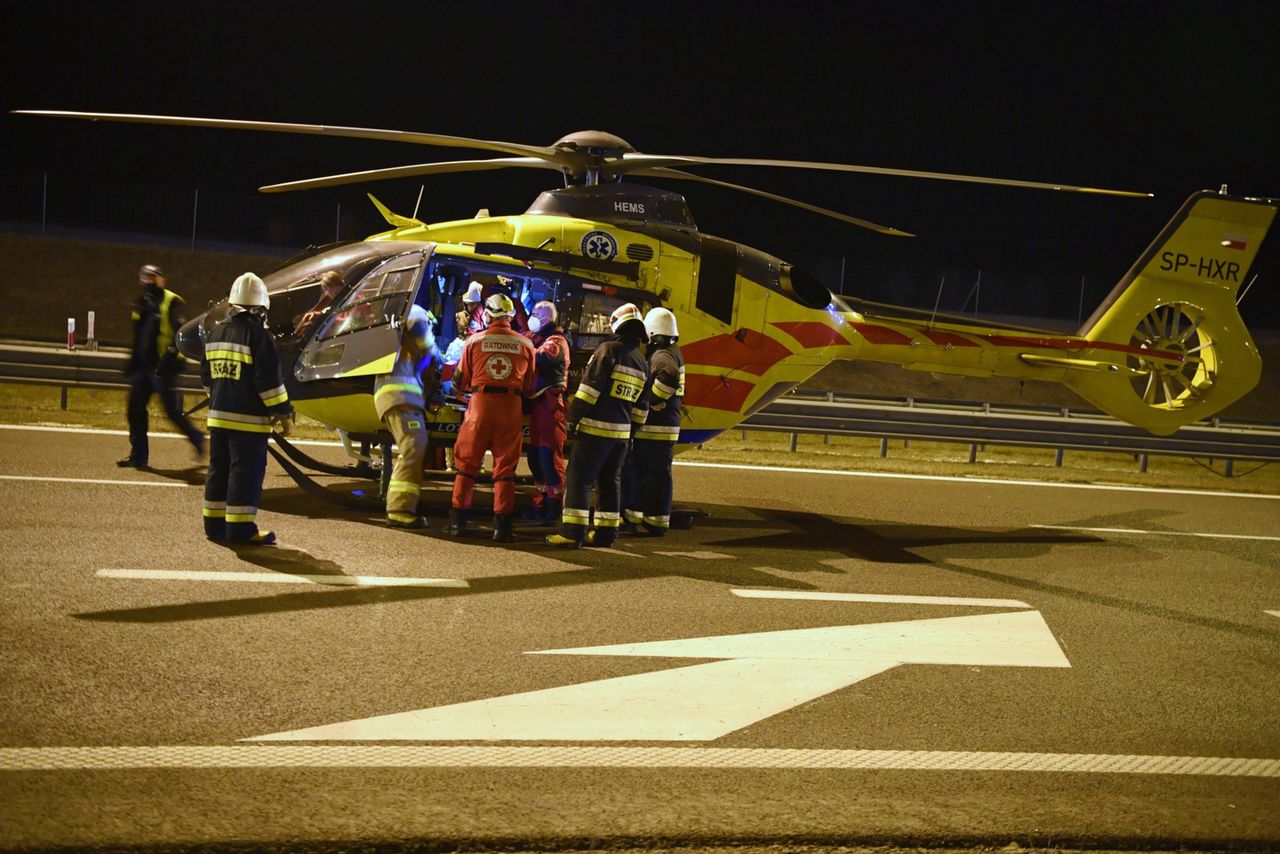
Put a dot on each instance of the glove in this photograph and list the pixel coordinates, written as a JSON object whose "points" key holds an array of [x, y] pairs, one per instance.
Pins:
{"points": [[282, 424], [571, 429]]}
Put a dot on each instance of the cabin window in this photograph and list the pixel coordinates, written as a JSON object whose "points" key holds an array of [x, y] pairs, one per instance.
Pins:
{"points": [[717, 279]]}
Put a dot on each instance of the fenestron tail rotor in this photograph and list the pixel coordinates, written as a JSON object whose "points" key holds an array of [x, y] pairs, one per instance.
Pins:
{"points": [[1182, 361], [584, 158]]}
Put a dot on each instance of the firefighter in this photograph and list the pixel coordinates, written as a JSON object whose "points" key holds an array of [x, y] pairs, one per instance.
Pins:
{"points": [[158, 314], [648, 471], [607, 402], [401, 404], [548, 421], [497, 368], [247, 399]]}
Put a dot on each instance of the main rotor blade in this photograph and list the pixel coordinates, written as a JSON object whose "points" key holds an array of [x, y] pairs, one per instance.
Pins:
{"points": [[316, 130], [411, 172], [645, 161], [685, 176]]}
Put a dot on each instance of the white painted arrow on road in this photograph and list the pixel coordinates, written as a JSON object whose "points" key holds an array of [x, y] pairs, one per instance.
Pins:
{"points": [[760, 675]]}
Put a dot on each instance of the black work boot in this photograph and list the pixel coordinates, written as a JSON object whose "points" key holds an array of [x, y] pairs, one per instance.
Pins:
{"points": [[550, 513], [502, 529], [457, 522]]}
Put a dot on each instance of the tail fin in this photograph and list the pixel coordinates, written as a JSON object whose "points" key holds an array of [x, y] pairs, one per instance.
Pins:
{"points": [[1176, 347]]}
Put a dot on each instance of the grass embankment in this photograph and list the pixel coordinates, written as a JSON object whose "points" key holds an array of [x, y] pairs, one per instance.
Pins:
{"points": [[41, 405]]}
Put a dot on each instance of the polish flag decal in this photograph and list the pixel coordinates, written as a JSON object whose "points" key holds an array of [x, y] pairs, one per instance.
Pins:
{"points": [[1233, 241]]}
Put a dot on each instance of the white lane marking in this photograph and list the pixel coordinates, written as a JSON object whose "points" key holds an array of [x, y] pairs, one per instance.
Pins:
{"points": [[1207, 536], [94, 480], [697, 555], [759, 675], [1274, 613], [98, 431], [739, 758], [877, 597], [979, 480], [282, 578], [786, 469]]}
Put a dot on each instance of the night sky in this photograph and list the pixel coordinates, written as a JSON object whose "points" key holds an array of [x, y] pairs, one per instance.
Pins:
{"points": [[1166, 97]]}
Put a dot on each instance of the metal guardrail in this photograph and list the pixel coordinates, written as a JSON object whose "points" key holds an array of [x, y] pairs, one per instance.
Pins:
{"points": [[1022, 426], [807, 413]]}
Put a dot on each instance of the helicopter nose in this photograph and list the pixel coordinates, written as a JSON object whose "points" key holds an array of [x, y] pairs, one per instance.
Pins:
{"points": [[190, 338]]}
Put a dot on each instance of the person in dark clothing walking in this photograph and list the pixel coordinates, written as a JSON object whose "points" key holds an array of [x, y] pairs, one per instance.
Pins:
{"points": [[608, 401], [247, 399], [158, 314]]}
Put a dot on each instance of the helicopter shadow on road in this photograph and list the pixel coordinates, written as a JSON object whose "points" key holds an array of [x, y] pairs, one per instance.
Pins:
{"points": [[894, 543]]}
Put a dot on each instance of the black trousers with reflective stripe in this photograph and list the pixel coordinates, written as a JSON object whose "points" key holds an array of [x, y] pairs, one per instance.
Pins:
{"points": [[646, 480], [237, 465], [143, 384], [594, 462]]}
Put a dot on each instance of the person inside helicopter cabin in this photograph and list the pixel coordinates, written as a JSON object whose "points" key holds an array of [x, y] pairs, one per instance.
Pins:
{"points": [[332, 285]]}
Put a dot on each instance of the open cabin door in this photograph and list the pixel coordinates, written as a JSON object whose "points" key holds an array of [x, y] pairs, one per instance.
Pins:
{"points": [[362, 337]]}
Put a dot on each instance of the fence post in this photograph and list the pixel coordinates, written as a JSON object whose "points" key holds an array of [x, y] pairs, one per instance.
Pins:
{"points": [[337, 226], [884, 446], [794, 439], [195, 215], [1142, 463], [44, 204], [1230, 466], [1057, 457], [973, 452], [64, 397]]}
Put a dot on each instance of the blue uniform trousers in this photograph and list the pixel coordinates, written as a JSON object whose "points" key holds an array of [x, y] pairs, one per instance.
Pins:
{"points": [[647, 485], [143, 384]]}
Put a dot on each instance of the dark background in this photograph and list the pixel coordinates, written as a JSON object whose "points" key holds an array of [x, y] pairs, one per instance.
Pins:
{"points": [[1167, 97]]}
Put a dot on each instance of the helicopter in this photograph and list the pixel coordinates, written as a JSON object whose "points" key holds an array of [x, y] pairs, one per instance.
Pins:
{"points": [[1167, 346]]}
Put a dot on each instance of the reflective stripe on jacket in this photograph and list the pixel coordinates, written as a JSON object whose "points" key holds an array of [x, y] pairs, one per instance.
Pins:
{"points": [[666, 394], [241, 371], [611, 393]]}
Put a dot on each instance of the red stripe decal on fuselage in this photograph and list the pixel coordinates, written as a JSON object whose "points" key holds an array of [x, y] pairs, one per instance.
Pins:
{"points": [[715, 392], [754, 353], [812, 334]]}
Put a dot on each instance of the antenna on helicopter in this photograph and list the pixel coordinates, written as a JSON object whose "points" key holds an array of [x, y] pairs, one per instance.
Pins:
{"points": [[416, 204]]}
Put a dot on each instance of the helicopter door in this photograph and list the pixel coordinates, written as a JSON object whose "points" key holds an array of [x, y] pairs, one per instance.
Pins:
{"points": [[363, 336]]}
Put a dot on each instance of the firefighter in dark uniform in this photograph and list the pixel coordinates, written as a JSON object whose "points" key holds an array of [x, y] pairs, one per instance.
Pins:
{"points": [[548, 413], [497, 368], [247, 398], [158, 314], [400, 400], [607, 402], [648, 471]]}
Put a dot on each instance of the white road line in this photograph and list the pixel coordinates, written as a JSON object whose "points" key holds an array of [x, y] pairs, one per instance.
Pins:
{"points": [[97, 431], [282, 578], [422, 756], [697, 555], [1274, 613], [94, 480], [877, 597], [979, 480], [1207, 536]]}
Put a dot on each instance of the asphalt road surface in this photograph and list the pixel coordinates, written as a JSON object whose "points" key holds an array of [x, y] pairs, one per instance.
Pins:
{"points": [[823, 658]]}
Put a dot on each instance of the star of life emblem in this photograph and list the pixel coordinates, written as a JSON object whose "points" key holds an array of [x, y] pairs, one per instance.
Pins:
{"points": [[498, 367], [599, 245]]}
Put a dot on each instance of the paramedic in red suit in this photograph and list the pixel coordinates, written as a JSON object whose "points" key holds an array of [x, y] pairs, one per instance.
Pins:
{"points": [[548, 417], [497, 369]]}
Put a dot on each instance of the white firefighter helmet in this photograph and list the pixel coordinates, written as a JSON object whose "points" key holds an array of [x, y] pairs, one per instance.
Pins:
{"points": [[624, 314], [499, 305], [249, 291], [475, 293], [660, 321]]}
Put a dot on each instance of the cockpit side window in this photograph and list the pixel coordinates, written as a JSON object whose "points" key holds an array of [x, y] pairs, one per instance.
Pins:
{"points": [[380, 296]]}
